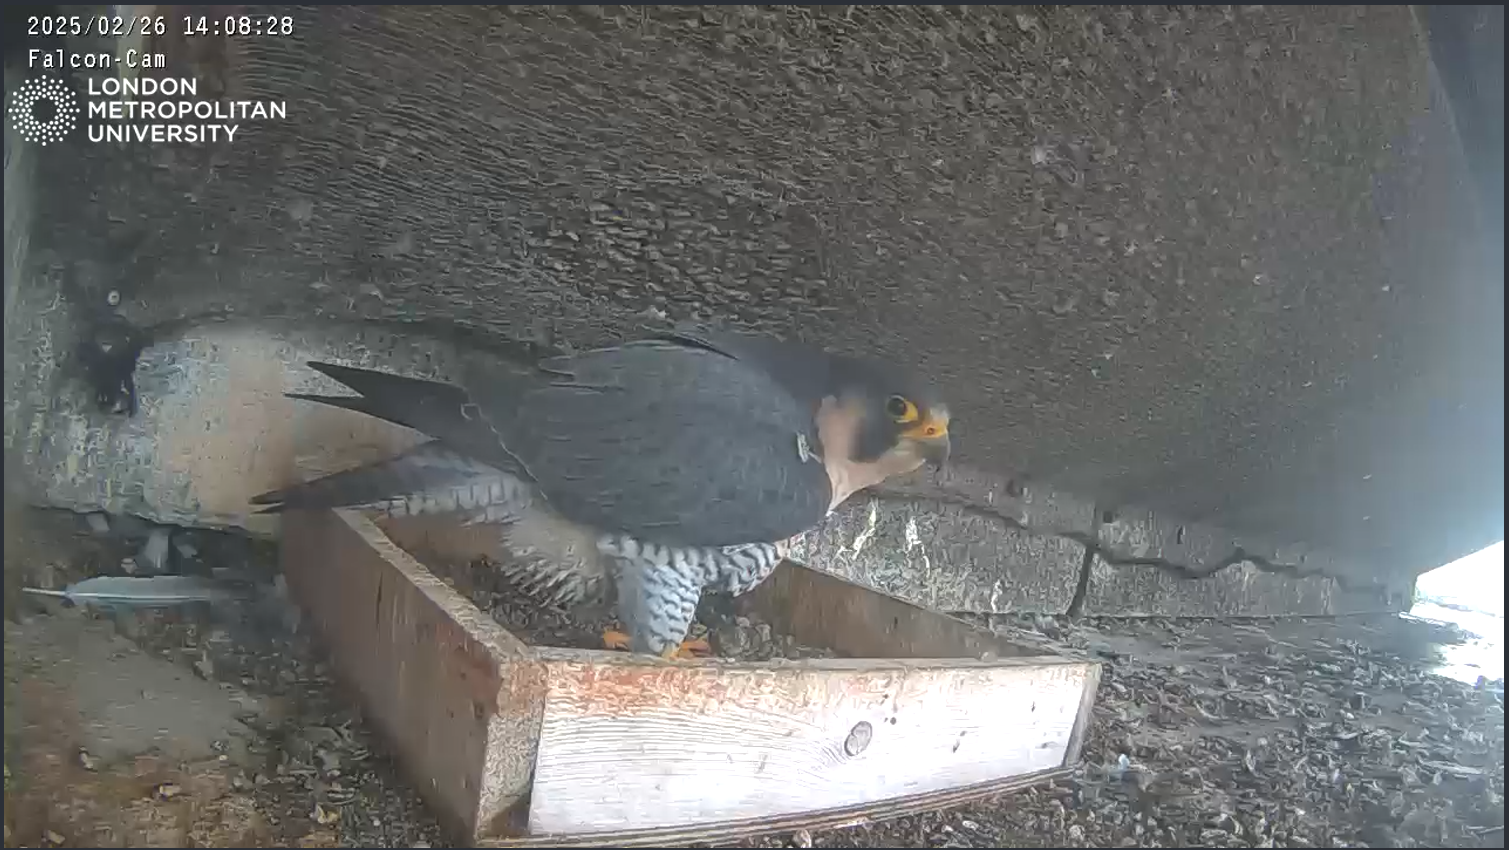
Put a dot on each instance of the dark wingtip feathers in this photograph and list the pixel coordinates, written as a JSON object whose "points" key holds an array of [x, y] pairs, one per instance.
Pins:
{"points": [[334, 370]]}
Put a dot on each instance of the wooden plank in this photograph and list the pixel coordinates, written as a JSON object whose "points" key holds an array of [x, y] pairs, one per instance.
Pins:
{"points": [[454, 693], [1086, 715], [626, 749], [821, 609], [722, 834], [630, 743]]}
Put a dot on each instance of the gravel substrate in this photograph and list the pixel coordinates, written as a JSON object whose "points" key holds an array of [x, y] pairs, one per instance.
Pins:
{"points": [[307, 772], [1294, 733]]}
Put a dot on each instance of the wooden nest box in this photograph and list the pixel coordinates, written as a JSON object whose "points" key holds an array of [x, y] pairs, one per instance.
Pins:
{"points": [[519, 745]]}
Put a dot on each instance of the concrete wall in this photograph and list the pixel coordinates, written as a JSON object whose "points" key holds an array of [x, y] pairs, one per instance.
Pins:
{"points": [[1203, 284], [215, 429], [28, 359]]}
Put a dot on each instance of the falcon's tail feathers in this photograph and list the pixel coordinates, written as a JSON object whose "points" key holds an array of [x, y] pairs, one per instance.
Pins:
{"points": [[427, 479], [442, 411]]}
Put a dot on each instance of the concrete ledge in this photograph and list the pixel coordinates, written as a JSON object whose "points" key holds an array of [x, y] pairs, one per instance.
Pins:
{"points": [[1151, 563], [1242, 590], [946, 557], [1014, 501]]}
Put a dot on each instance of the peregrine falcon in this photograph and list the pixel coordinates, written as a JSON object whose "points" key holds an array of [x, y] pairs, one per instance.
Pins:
{"points": [[642, 473]]}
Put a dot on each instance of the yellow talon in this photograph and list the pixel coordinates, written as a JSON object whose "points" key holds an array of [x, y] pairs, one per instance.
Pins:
{"points": [[689, 649], [615, 639]]}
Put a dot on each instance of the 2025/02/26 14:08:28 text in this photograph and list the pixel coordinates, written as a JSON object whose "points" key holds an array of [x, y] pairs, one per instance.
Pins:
{"points": [[108, 26]]}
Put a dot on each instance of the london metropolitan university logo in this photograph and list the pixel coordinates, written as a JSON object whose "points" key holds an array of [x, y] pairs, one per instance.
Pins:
{"points": [[45, 110]]}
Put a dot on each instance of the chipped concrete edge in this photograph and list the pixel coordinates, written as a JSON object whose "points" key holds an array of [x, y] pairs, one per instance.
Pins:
{"points": [[1213, 570]]}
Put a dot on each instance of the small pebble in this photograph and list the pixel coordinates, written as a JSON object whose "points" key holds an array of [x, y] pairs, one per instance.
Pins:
{"points": [[168, 790], [324, 816]]}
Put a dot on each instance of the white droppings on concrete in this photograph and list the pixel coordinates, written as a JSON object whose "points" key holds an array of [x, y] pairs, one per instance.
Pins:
{"points": [[872, 524], [914, 541]]}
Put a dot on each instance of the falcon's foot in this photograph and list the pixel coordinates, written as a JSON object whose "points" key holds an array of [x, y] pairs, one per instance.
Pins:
{"points": [[694, 648], [615, 639]]}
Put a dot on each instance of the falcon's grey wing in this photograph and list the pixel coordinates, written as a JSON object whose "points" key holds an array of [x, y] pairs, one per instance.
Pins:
{"points": [[667, 442], [803, 370], [440, 410]]}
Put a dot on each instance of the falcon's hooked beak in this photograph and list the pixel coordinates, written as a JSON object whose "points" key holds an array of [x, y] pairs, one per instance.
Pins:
{"points": [[936, 451], [930, 436]]}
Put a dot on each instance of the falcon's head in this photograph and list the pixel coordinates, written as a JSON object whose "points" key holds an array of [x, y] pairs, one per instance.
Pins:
{"points": [[902, 422]]}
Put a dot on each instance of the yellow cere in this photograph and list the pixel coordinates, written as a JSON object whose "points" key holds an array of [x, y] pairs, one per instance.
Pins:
{"points": [[928, 429]]}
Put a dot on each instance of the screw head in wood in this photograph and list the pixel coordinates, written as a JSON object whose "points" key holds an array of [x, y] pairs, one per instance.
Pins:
{"points": [[859, 738]]}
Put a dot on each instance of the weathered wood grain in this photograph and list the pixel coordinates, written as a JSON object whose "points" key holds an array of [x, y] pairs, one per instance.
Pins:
{"points": [[605, 747], [457, 696], [1086, 714], [631, 744], [721, 834], [821, 609]]}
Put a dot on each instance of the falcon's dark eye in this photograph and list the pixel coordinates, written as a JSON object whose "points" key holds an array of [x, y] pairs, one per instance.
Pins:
{"points": [[901, 409]]}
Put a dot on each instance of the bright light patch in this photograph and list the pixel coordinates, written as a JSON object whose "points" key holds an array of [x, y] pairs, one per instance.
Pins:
{"points": [[1475, 582], [1470, 593]]}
